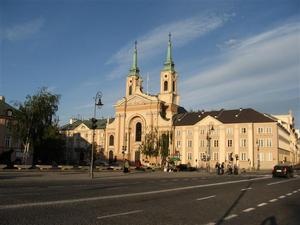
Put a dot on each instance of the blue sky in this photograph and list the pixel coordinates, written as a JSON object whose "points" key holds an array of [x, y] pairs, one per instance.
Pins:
{"points": [[228, 54]]}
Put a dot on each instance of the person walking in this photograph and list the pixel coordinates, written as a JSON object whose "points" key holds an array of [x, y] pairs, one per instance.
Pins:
{"points": [[126, 166], [222, 168]]}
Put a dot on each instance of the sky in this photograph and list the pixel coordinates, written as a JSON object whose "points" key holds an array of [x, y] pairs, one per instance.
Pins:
{"points": [[228, 54]]}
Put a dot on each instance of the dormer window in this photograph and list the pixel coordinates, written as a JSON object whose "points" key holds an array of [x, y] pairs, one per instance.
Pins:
{"points": [[9, 112]]}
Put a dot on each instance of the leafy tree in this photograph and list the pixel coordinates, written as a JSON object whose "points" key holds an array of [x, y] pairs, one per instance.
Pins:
{"points": [[164, 147], [150, 145], [37, 125]]}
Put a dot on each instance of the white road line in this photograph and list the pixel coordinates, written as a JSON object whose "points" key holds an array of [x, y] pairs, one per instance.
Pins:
{"points": [[262, 204], [119, 214], [245, 189], [299, 189], [279, 182], [295, 191], [199, 199], [97, 198], [289, 194], [211, 223], [230, 216], [248, 210], [282, 196], [273, 200]]}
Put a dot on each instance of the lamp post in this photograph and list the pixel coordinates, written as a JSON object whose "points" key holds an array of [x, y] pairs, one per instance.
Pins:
{"points": [[98, 103], [208, 137], [258, 161]]}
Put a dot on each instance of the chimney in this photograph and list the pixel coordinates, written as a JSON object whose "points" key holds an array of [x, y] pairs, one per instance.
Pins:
{"points": [[2, 98]]}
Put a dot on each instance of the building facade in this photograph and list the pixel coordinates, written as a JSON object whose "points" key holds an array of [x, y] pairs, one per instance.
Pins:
{"points": [[245, 137]]}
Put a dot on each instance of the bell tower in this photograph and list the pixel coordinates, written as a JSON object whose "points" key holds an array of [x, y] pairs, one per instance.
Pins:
{"points": [[168, 79], [134, 80]]}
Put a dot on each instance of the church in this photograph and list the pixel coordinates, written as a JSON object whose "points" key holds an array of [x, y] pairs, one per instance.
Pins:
{"points": [[245, 137]]}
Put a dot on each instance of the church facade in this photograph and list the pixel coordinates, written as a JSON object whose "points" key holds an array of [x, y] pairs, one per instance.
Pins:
{"points": [[244, 137]]}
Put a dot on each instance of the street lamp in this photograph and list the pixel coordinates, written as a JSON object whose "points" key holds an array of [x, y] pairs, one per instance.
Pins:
{"points": [[98, 103], [258, 161], [208, 137]]}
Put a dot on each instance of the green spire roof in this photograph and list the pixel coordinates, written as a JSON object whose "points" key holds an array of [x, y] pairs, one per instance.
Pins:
{"points": [[134, 68], [169, 64]]}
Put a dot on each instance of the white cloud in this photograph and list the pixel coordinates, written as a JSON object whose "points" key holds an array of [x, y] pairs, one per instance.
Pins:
{"points": [[22, 31], [264, 67], [154, 42]]}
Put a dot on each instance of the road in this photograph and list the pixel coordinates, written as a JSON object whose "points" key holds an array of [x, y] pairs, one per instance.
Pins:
{"points": [[147, 198]]}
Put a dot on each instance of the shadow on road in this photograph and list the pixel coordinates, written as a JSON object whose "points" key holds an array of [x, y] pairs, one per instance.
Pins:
{"points": [[233, 205], [269, 221]]}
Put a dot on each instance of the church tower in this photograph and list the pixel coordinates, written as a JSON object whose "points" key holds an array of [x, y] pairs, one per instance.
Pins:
{"points": [[134, 80], [168, 83]]}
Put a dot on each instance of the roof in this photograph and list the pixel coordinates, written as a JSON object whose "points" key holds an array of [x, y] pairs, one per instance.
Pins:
{"points": [[101, 124], [224, 116], [4, 107]]}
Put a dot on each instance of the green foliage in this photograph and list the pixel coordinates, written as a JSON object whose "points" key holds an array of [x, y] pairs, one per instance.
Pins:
{"points": [[37, 124], [150, 145]]}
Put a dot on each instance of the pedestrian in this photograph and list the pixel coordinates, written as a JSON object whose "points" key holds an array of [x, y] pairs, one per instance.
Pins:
{"points": [[217, 166], [222, 168], [126, 166], [235, 170]]}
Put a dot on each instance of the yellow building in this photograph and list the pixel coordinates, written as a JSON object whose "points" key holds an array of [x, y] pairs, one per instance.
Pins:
{"points": [[244, 137]]}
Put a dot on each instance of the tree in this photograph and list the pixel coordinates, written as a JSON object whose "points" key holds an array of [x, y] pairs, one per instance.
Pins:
{"points": [[150, 145], [37, 125], [164, 147]]}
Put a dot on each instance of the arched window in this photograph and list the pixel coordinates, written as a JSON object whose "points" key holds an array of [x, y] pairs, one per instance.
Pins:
{"points": [[166, 86], [138, 132], [130, 90], [111, 140], [173, 86]]}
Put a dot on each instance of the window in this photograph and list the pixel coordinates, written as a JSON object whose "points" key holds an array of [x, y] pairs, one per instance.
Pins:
{"points": [[138, 132], [243, 130], [261, 156], [202, 154], [190, 143], [9, 112], [216, 143], [202, 143], [111, 140], [216, 156], [173, 86], [260, 130], [86, 136], [269, 130], [268, 142], [243, 142], [130, 90], [178, 144], [166, 86], [190, 156], [189, 132], [229, 143], [7, 141], [270, 156], [178, 133], [260, 142], [202, 131], [229, 130], [243, 156]]}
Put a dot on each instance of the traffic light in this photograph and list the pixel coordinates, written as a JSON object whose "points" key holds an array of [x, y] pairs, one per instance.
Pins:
{"points": [[94, 123]]}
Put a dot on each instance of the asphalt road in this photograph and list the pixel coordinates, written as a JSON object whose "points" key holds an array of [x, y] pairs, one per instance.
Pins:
{"points": [[147, 198]]}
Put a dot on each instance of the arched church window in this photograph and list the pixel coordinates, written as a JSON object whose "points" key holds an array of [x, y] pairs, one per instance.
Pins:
{"points": [[173, 86], [138, 132], [130, 90], [165, 85], [111, 140]]}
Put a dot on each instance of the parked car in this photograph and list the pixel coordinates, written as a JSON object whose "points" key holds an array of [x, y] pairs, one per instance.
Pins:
{"points": [[283, 171], [99, 162]]}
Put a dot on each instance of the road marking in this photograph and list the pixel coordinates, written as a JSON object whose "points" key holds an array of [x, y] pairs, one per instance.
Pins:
{"points": [[273, 200], [97, 198], [211, 223], [279, 182], [289, 194], [295, 191], [262, 204], [199, 199], [245, 189], [119, 214], [248, 210], [230, 216], [299, 189], [282, 196]]}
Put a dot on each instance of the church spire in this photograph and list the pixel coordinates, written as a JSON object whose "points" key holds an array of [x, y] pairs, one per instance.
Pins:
{"points": [[169, 64], [134, 68]]}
